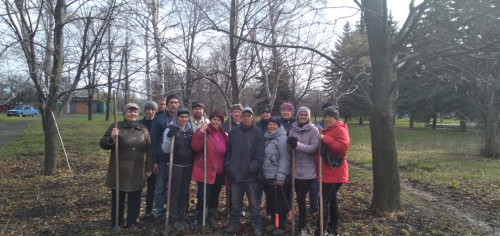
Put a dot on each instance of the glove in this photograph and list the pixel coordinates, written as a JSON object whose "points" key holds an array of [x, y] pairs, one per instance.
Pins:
{"points": [[173, 129], [292, 141]]}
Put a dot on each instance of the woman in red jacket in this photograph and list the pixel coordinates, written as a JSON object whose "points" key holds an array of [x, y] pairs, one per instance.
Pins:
{"points": [[335, 141], [216, 148]]}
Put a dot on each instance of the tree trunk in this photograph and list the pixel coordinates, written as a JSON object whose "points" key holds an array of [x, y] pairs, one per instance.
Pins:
{"points": [[490, 146], [434, 121], [50, 140], [158, 45], [411, 120], [463, 125], [360, 120], [233, 53], [386, 188]]}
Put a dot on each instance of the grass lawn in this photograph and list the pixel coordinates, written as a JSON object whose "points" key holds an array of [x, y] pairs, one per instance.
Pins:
{"points": [[439, 161]]}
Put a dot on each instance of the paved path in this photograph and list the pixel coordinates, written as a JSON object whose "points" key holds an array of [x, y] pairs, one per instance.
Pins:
{"points": [[10, 130]]}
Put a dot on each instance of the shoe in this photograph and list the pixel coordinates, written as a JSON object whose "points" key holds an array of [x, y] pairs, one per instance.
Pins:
{"points": [[198, 218], [257, 232], [231, 229], [180, 225], [270, 228], [131, 225], [212, 212], [278, 231], [160, 220], [147, 217]]}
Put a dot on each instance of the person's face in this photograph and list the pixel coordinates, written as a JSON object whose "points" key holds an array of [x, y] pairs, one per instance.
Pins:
{"points": [[162, 104], [182, 119], [329, 120], [197, 112], [271, 127], [216, 122], [246, 119], [172, 105], [236, 115], [150, 113], [286, 114], [266, 115], [131, 114], [303, 117]]}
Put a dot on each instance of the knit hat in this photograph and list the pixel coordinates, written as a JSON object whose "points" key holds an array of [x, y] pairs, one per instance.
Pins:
{"points": [[325, 105], [265, 108], [182, 110], [288, 106], [303, 109], [130, 106], [276, 120], [331, 111], [172, 96], [249, 109], [216, 113], [235, 107], [150, 105], [197, 104]]}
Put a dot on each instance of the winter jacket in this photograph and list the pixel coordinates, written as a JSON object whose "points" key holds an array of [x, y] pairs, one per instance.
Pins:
{"points": [[183, 153], [215, 149], [320, 124], [160, 123], [307, 147], [262, 124], [277, 162], [245, 153], [147, 123], [337, 140], [225, 126], [287, 124], [134, 156]]}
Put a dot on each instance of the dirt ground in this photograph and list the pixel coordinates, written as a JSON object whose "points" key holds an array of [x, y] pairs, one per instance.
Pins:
{"points": [[32, 204]]}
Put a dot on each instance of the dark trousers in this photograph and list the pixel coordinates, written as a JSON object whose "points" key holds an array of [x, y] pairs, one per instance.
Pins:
{"points": [[150, 193], [314, 195], [276, 201], [181, 178], [238, 189], [213, 192], [330, 206], [302, 186], [133, 206]]}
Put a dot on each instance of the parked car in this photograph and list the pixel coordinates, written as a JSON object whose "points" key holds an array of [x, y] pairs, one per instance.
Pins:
{"points": [[23, 110]]}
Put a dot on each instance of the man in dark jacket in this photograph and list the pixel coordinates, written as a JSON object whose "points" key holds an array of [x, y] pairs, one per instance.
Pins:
{"points": [[150, 109], [161, 158], [265, 116], [243, 160], [235, 118]]}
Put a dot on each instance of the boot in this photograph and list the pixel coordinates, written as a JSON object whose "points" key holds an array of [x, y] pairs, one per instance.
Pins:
{"points": [[212, 213], [198, 218]]}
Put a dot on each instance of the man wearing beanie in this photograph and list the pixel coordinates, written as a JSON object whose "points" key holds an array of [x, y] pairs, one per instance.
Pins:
{"points": [[235, 117], [287, 110], [161, 158], [198, 110], [265, 116], [150, 108]]}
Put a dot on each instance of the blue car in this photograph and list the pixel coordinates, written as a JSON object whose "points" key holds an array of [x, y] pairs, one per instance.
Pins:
{"points": [[23, 110]]}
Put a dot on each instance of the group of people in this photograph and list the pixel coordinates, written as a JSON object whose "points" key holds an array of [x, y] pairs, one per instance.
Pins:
{"points": [[249, 158]]}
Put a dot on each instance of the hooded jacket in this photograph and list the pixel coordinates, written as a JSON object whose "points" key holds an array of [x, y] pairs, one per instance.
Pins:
{"points": [[337, 140], [307, 148], [245, 153], [134, 156], [277, 162], [183, 153], [214, 149]]}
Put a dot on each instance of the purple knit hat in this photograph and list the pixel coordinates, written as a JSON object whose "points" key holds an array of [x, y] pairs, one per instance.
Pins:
{"points": [[288, 106]]}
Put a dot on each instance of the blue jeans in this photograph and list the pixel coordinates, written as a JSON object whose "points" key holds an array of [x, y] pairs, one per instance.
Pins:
{"points": [[237, 191], [161, 187]]}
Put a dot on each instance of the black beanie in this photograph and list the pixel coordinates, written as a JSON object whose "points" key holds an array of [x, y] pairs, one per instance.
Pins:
{"points": [[172, 96], [331, 111]]}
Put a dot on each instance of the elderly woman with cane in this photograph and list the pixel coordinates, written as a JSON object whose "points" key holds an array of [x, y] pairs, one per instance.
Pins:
{"points": [[214, 137], [135, 161], [335, 141]]}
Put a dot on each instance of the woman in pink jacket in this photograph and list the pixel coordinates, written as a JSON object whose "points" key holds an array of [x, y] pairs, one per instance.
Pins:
{"points": [[335, 141], [216, 148]]}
